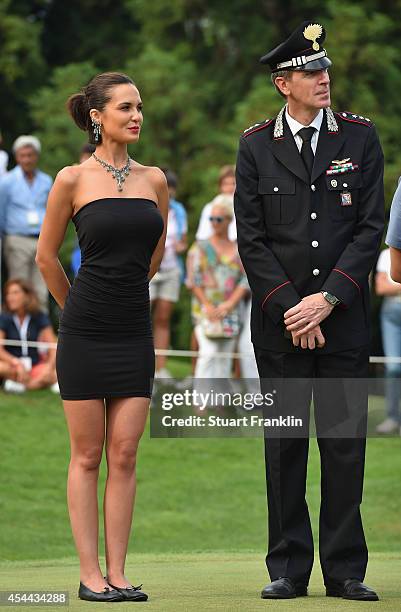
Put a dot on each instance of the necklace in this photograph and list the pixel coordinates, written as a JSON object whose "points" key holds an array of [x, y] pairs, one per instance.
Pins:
{"points": [[117, 174]]}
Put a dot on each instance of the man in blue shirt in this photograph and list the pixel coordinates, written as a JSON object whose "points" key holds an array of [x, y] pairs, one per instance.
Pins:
{"points": [[23, 198]]}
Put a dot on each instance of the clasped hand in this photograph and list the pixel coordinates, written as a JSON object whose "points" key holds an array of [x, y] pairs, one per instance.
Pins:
{"points": [[214, 313], [303, 321]]}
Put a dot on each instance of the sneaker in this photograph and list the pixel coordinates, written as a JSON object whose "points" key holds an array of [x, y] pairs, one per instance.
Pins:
{"points": [[163, 373], [55, 388], [12, 386], [387, 426]]}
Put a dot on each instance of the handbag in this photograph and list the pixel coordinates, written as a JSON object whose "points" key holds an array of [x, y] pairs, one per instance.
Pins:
{"points": [[227, 327]]}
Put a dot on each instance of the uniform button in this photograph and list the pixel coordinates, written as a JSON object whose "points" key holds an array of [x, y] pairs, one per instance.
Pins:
{"points": [[275, 188], [316, 272], [345, 184], [313, 216], [313, 187], [315, 244]]}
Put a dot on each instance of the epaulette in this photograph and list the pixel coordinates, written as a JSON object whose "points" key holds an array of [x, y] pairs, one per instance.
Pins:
{"points": [[355, 119], [256, 127]]}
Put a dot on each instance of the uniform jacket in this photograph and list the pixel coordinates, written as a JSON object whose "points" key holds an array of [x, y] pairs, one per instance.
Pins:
{"points": [[299, 235]]}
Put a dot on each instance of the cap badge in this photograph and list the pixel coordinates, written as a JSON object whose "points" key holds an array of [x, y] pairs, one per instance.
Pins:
{"points": [[312, 32]]}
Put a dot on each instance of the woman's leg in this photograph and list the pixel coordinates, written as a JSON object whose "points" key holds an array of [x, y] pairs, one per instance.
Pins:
{"points": [[194, 346], [6, 371], [207, 349], [86, 426], [209, 364], [222, 365], [161, 328], [125, 422], [41, 377]]}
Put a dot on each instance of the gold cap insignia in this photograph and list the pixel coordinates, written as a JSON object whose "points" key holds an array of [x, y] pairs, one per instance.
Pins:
{"points": [[312, 32]]}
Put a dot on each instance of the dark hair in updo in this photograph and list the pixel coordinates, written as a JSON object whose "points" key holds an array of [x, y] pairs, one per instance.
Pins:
{"points": [[95, 95]]}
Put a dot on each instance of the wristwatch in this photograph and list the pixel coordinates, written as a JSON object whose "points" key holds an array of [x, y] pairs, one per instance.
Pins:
{"points": [[331, 299]]}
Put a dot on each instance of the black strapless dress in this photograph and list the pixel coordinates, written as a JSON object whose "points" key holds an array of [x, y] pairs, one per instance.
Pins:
{"points": [[105, 344]]}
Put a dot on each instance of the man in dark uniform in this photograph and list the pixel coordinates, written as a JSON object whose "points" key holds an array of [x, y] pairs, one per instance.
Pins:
{"points": [[309, 207]]}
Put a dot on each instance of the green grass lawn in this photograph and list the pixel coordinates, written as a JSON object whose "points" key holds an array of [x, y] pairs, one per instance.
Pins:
{"points": [[188, 582], [193, 494], [199, 535]]}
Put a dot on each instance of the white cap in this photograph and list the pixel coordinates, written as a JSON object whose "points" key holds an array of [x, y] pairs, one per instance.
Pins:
{"points": [[27, 141]]}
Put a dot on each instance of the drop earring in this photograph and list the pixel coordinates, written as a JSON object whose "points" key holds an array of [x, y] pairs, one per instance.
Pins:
{"points": [[96, 129]]}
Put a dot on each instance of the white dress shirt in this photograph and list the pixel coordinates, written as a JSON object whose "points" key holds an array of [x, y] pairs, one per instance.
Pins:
{"points": [[295, 126]]}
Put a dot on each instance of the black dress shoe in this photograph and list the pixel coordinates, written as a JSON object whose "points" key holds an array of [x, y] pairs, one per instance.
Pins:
{"points": [[131, 593], [351, 589], [105, 595], [284, 588]]}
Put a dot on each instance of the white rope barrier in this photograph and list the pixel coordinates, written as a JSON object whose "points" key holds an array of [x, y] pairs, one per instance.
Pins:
{"points": [[177, 353]]}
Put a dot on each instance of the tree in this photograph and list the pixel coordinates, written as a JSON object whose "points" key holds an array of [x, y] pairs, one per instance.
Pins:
{"points": [[21, 70]]}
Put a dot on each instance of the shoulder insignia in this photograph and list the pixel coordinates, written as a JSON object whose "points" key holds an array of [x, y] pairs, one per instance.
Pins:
{"points": [[256, 127], [353, 118]]}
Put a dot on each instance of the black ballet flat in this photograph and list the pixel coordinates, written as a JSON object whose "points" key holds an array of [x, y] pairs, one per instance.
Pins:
{"points": [[105, 595], [131, 593]]}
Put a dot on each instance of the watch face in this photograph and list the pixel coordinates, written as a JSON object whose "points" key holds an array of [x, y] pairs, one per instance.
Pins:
{"points": [[330, 298]]}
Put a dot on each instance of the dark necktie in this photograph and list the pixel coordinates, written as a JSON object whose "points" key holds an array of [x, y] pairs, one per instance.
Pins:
{"points": [[306, 149]]}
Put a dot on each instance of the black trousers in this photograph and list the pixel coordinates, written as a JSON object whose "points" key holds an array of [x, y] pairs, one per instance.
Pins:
{"points": [[342, 546]]}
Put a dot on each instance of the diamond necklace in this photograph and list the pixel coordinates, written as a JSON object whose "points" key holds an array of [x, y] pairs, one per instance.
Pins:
{"points": [[117, 174]]}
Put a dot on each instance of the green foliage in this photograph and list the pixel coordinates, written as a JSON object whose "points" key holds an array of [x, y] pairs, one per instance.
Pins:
{"points": [[20, 50], [61, 139], [21, 69]]}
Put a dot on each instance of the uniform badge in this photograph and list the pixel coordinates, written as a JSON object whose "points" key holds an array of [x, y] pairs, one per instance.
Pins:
{"points": [[346, 199], [312, 32], [339, 166]]}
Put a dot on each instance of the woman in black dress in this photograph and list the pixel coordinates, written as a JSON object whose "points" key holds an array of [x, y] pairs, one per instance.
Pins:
{"points": [[105, 355]]}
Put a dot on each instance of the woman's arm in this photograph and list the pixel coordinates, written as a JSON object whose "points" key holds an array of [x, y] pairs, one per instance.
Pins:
{"points": [[228, 305], [395, 255], [4, 354], [384, 286], [208, 308], [58, 213], [160, 185], [182, 244]]}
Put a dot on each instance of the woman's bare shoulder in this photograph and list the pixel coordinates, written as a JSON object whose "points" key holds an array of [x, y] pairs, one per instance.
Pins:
{"points": [[68, 177], [153, 174]]}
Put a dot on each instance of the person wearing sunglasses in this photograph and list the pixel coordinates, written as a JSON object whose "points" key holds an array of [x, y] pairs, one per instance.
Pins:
{"points": [[218, 283]]}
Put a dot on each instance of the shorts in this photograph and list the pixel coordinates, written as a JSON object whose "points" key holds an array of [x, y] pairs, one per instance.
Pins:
{"points": [[165, 285]]}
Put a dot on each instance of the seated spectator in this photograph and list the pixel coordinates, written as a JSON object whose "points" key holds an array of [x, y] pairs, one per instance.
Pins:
{"points": [[218, 283], [24, 367], [164, 288]]}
